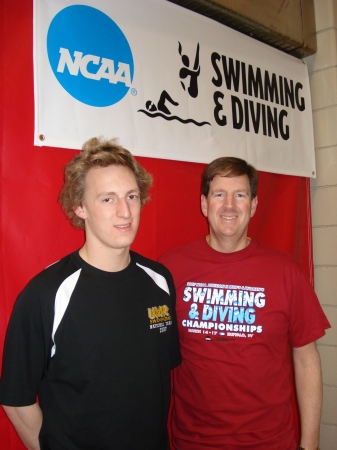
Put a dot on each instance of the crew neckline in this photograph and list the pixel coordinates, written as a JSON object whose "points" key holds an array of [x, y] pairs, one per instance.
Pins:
{"points": [[232, 256], [103, 273]]}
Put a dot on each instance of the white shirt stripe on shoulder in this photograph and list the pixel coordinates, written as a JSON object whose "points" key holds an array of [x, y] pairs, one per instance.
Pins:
{"points": [[62, 299], [157, 278]]}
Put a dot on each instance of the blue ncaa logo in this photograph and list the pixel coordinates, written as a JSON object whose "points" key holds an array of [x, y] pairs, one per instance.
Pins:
{"points": [[90, 56]]}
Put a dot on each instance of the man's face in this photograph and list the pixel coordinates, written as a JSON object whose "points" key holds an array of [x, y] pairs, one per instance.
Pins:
{"points": [[111, 207], [228, 208]]}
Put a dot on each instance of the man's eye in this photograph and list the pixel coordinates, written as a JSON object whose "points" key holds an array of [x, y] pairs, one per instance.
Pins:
{"points": [[106, 200], [133, 197]]}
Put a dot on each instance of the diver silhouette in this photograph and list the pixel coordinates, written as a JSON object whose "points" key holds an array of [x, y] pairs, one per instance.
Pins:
{"points": [[192, 73], [150, 106]]}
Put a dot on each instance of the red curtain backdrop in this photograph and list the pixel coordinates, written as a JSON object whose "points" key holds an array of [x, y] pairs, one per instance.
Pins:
{"points": [[34, 231]]}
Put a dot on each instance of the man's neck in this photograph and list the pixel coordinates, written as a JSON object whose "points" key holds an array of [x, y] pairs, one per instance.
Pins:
{"points": [[109, 260], [228, 245]]}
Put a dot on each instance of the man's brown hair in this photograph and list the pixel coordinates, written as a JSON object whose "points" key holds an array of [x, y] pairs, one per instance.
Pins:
{"points": [[229, 166]]}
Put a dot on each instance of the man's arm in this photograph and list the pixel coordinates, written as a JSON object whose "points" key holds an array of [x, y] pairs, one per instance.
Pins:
{"points": [[27, 421], [308, 376]]}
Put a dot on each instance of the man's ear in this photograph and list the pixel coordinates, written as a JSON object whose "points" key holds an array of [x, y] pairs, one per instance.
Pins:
{"points": [[204, 205], [254, 206], [80, 212]]}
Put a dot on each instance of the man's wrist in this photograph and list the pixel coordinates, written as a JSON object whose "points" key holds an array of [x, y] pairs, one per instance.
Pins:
{"points": [[303, 448]]}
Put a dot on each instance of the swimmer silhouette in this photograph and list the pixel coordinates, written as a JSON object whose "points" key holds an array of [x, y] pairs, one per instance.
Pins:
{"points": [[150, 106], [192, 73], [162, 110]]}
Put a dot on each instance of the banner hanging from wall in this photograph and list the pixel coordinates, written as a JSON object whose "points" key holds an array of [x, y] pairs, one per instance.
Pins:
{"points": [[169, 83]]}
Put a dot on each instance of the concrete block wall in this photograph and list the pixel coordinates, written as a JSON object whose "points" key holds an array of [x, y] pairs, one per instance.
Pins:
{"points": [[323, 81]]}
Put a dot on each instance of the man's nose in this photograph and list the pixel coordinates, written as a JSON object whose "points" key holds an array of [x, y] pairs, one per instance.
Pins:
{"points": [[228, 200], [123, 208]]}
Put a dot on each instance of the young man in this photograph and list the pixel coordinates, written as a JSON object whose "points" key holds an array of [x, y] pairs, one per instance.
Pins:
{"points": [[94, 335], [239, 305]]}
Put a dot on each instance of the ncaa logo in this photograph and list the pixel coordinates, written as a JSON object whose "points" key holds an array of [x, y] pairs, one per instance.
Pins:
{"points": [[90, 56]]}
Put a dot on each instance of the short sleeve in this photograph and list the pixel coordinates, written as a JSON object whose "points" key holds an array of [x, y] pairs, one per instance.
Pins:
{"points": [[307, 319], [24, 352]]}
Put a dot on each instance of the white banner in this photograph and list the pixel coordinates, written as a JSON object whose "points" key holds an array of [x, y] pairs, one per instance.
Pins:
{"points": [[169, 83]]}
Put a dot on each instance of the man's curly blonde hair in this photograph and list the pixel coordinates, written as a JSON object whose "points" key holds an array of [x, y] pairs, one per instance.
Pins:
{"points": [[98, 152]]}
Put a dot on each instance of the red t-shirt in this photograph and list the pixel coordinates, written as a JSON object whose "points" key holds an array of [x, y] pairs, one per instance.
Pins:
{"points": [[237, 313]]}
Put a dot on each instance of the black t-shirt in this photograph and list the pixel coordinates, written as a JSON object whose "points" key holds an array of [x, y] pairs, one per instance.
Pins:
{"points": [[97, 347]]}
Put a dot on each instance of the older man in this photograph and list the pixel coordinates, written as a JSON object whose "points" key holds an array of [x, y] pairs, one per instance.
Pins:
{"points": [[239, 306]]}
